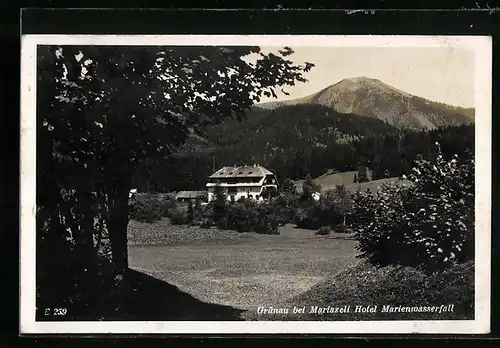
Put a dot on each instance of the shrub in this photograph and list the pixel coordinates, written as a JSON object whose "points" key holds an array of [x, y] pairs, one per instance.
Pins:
{"points": [[219, 206], [197, 211], [167, 204], [190, 213], [308, 216], [285, 205], [241, 216], [178, 216], [342, 203], [331, 210], [288, 187], [308, 188], [342, 229], [324, 231], [267, 221], [206, 223], [247, 215], [145, 208], [428, 225], [268, 225], [362, 174]]}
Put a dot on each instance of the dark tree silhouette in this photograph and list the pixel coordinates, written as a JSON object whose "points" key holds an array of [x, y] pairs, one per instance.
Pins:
{"points": [[363, 174], [105, 111]]}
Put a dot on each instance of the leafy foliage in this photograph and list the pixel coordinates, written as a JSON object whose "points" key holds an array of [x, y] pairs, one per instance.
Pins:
{"points": [[105, 112], [248, 215], [286, 203], [219, 206], [429, 224], [331, 210], [342, 202], [179, 216], [242, 216], [147, 208], [308, 188], [362, 175], [324, 231], [268, 222]]}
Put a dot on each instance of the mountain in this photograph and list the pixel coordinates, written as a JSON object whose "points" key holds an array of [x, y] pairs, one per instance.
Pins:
{"points": [[314, 123], [299, 140], [373, 98], [196, 144]]}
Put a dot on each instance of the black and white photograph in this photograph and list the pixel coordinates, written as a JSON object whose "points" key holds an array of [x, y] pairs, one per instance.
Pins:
{"points": [[255, 184]]}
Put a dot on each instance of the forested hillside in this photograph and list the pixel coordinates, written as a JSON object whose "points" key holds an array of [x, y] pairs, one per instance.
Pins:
{"points": [[300, 140]]}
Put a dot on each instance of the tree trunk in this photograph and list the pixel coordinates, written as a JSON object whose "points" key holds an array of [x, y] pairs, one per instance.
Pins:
{"points": [[117, 228], [118, 187]]}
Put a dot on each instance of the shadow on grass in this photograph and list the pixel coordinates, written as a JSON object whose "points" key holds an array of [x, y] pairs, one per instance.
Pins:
{"points": [[147, 298]]}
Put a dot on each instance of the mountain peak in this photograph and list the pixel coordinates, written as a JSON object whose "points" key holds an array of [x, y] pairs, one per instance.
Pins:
{"points": [[355, 83], [370, 97], [358, 79]]}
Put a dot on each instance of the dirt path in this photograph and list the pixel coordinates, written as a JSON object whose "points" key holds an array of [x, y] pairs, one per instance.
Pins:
{"points": [[247, 273]]}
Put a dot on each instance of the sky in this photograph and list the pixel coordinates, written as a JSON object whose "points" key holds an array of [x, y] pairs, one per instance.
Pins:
{"points": [[439, 74]]}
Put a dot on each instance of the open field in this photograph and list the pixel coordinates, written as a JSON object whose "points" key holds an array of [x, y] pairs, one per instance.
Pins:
{"points": [[330, 179], [240, 270]]}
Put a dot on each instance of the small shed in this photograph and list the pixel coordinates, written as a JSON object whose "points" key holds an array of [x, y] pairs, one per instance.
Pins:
{"points": [[191, 196]]}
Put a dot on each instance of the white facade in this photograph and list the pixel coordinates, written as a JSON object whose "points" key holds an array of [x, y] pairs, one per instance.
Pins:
{"points": [[316, 196], [249, 184]]}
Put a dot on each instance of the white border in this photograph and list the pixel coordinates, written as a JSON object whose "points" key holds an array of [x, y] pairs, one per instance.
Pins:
{"points": [[482, 46]]}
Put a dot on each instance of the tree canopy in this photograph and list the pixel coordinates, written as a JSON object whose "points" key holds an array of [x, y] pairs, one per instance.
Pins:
{"points": [[102, 110]]}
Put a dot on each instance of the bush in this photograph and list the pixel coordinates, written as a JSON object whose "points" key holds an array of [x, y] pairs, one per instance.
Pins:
{"points": [[146, 208], [362, 175], [309, 216], [308, 188], [205, 223], [285, 205], [268, 225], [324, 231], [167, 204], [331, 210], [342, 229], [178, 216], [218, 207], [241, 216], [246, 215], [429, 224], [267, 221]]}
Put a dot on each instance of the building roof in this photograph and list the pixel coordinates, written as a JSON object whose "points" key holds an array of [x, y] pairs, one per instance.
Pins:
{"points": [[244, 171], [191, 194]]}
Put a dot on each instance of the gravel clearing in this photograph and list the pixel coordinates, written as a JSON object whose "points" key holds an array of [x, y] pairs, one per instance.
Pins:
{"points": [[163, 232]]}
